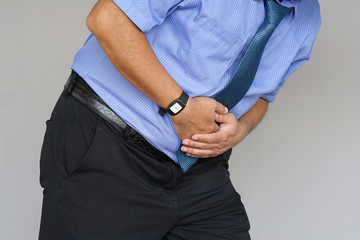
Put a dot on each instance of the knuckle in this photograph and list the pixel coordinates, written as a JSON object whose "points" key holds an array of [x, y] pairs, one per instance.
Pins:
{"points": [[214, 103], [194, 144]]}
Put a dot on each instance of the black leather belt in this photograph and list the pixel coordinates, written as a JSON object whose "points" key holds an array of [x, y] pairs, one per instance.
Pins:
{"points": [[77, 88]]}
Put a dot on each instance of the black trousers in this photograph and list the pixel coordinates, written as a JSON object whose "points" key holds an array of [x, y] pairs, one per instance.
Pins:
{"points": [[99, 186]]}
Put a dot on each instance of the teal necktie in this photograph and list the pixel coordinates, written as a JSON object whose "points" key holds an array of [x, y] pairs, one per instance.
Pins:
{"points": [[245, 72]]}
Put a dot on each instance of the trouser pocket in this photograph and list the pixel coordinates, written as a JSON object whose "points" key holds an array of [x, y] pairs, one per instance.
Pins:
{"points": [[69, 136]]}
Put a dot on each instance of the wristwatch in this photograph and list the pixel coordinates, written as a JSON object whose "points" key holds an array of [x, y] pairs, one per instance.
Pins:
{"points": [[175, 106]]}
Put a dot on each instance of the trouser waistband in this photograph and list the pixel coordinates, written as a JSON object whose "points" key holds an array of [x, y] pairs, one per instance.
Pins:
{"points": [[77, 87]]}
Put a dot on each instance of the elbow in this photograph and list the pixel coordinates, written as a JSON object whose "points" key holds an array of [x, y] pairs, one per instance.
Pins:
{"points": [[98, 18], [93, 21], [90, 22], [105, 17]]}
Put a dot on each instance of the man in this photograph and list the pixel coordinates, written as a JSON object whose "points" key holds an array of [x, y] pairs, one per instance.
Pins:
{"points": [[110, 163]]}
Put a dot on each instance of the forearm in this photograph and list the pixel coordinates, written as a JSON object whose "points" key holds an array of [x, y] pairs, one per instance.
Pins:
{"points": [[130, 52], [253, 116]]}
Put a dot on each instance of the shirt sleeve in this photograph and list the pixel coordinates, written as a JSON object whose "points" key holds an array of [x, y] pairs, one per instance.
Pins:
{"points": [[302, 56], [147, 14]]}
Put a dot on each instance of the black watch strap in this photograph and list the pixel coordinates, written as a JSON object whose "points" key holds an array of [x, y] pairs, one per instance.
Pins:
{"points": [[175, 106]]}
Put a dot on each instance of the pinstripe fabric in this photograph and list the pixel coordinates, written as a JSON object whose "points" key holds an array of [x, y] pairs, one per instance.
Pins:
{"points": [[245, 72], [200, 43]]}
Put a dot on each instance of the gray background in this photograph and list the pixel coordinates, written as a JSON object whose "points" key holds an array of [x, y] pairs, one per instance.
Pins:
{"points": [[298, 172]]}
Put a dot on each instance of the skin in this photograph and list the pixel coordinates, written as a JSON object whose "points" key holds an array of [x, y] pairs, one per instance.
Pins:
{"points": [[130, 52], [232, 131]]}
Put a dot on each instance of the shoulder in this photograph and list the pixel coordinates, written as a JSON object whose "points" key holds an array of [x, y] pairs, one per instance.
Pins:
{"points": [[308, 17], [309, 9]]}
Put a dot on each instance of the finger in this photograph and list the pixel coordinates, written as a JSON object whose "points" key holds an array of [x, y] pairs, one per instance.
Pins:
{"points": [[225, 118], [221, 109], [215, 128], [220, 118], [187, 143], [200, 153], [211, 138], [203, 154], [199, 156]]}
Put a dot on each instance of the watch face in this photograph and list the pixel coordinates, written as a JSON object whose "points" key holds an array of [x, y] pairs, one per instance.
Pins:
{"points": [[175, 108]]}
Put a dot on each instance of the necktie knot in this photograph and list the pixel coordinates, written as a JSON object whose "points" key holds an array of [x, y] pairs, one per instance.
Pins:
{"points": [[274, 12]]}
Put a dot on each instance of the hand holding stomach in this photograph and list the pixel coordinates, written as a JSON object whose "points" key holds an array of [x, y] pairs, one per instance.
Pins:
{"points": [[198, 116], [229, 134]]}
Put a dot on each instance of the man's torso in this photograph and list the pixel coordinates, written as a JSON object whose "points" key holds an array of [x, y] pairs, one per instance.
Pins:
{"points": [[200, 43]]}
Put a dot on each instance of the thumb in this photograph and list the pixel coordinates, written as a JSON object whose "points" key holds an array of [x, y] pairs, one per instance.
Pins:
{"points": [[220, 109]]}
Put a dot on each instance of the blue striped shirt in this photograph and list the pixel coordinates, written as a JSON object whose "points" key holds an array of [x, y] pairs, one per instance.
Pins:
{"points": [[200, 43]]}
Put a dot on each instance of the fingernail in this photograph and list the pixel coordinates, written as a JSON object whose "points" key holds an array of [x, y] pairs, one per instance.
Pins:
{"points": [[185, 143], [184, 149], [195, 138], [226, 110]]}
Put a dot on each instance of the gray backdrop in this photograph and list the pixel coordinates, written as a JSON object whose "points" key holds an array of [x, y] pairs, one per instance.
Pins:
{"points": [[297, 173]]}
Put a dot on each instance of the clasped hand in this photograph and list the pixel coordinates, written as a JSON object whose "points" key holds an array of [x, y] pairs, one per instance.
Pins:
{"points": [[207, 129]]}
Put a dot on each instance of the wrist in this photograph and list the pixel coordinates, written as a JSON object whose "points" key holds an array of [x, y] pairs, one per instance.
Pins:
{"points": [[186, 110], [176, 106]]}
